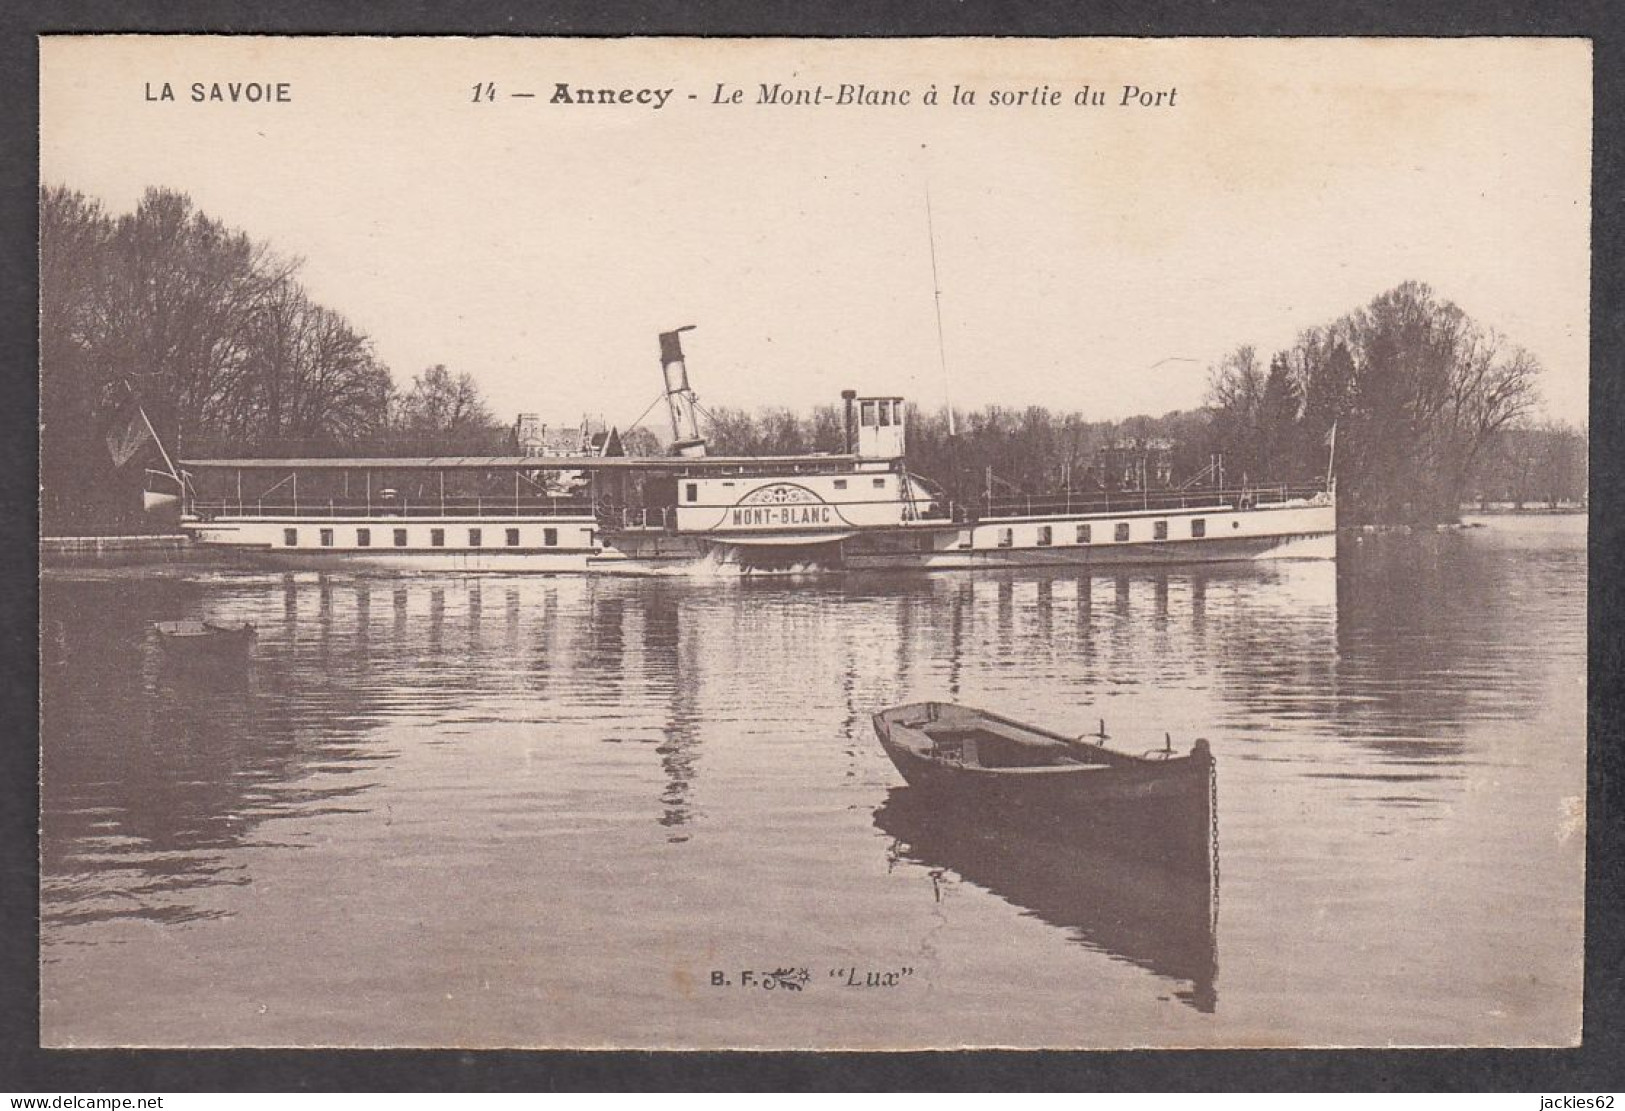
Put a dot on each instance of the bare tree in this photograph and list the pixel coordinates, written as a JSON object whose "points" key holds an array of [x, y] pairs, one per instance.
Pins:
{"points": [[444, 412]]}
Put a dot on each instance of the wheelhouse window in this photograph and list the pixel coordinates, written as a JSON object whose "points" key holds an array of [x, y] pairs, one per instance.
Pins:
{"points": [[1159, 530], [327, 537], [363, 537], [475, 538], [1007, 537], [513, 538], [550, 537], [1083, 534], [1045, 536], [1198, 526], [290, 537], [400, 538], [1122, 531], [867, 417], [437, 537]]}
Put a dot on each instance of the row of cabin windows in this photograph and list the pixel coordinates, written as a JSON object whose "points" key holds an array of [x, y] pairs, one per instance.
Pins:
{"points": [[437, 537], [1085, 533], [691, 490]]}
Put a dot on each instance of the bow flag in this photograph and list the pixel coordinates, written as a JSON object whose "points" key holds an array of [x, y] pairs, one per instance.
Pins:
{"points": [[128, 431]]}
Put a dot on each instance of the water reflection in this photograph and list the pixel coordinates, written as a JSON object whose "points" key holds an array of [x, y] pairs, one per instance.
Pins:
{"points": [[743, 766], [1145, 892], [674, 661], [146, 805]]}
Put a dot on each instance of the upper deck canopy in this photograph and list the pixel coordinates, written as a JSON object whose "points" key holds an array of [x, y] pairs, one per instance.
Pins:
{"points": [[523, 463]]}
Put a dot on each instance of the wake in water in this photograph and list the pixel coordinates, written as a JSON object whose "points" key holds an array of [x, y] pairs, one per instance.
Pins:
{"points": [[727, 560]]}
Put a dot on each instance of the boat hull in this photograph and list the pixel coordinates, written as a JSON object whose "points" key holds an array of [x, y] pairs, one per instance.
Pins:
{"points": [[574, 544], [1306, 545], [199, 643], [1119, 789]]}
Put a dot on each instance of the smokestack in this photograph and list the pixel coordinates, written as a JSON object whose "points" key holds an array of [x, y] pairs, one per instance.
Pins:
{"points": [[685, 429], [847, 397]]}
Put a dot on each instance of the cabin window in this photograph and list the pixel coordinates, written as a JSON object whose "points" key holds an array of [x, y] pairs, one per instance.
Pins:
{"points": [[1007, 537], [880, 484], [1083, 534], [400, 538], [1122, 531], [513, 538], [363, 537], [327, 537], [475, 538], [840, 484], [1159, 530], [1198, 526], [1045, 536], [868, 414], [290, 537], [550, 537], [437, 537], [691, 491]]}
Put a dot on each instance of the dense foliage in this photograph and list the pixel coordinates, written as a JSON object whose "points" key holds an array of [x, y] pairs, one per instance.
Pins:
{"points": [[1421, 397], [225, 351]]}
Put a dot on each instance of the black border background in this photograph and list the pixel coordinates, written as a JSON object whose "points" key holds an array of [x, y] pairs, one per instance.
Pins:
{"points": [[1599, 1065]]}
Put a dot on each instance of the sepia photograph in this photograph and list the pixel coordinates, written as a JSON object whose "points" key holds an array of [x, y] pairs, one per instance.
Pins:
{"points": [[806, 544]]}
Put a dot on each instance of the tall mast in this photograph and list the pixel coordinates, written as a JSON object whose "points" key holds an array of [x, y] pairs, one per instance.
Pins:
{"points": [[936, 291]]}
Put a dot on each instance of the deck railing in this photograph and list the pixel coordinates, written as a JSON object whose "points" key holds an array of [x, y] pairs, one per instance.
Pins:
{"points": [[498, 506], [1131, 501]]}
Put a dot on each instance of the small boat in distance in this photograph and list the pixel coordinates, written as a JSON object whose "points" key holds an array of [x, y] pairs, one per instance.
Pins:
{"points": [[204, 639], [974, 760]]}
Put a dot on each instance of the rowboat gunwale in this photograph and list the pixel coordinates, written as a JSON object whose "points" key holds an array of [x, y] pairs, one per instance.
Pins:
{"points": [[1074, 764]]}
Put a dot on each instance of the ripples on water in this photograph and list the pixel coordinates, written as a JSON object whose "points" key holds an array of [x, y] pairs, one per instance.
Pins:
{"points": [[542, 811]]}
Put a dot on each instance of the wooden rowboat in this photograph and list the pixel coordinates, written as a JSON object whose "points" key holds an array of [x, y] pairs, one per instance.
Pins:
{"points": [[204, 639], [976, 759]]}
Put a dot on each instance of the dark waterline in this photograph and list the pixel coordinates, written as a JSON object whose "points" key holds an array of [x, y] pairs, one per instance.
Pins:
{"points": [[521, 811]]}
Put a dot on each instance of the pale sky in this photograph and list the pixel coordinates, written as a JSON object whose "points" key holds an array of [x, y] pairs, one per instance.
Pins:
{"points": [[1082, 252]]}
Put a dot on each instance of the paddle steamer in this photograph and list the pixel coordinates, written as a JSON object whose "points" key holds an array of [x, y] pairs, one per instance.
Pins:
{"points": [[606, 512]]}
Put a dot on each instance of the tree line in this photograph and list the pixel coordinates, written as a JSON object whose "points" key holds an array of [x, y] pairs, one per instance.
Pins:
{"points": [[1430, 409], [993, 451], [213, 335], [228, 355]]}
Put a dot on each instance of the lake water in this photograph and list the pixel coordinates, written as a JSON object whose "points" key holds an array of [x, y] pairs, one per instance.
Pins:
{"points": [[536, 811]]}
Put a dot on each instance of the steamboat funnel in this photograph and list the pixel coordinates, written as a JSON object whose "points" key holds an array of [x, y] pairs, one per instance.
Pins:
{"points": [[685, 430]]}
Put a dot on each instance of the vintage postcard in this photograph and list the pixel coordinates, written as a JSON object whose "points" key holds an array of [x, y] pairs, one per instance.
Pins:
{"points": [[807, 544]]}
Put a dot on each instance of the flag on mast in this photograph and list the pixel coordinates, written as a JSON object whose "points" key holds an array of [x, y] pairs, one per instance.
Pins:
{"points": [[128, 432]]}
